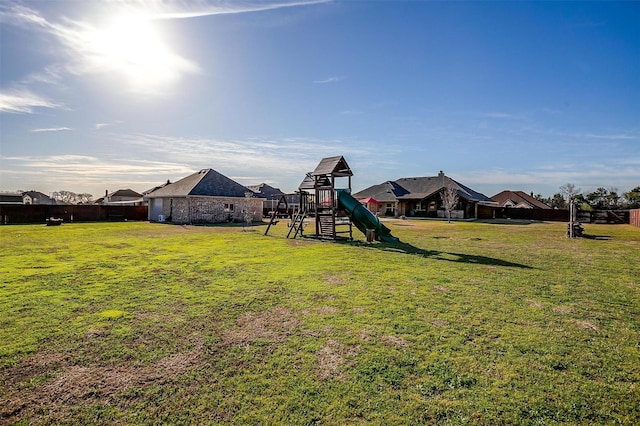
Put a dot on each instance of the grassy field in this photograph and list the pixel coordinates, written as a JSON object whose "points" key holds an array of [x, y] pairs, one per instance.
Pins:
{"points": [[462, 323]]}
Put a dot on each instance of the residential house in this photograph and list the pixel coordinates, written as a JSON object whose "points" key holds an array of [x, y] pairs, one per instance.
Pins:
{"points": [[149, 191], [11, 198], [35, 197], [420, 197], [265, 191], [272, 197], [203, 197], [126, 197], [519, 200]]}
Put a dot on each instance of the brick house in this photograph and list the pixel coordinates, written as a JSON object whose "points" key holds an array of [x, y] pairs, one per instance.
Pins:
{"points": [[203, 197], [420, 197]]}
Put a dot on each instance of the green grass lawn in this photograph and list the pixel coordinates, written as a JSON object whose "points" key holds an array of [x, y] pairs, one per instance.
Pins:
{"points": [[462, 323]]}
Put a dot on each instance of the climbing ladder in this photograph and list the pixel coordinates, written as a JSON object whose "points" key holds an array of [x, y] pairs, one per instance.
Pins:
{"points": [[296, 224]]}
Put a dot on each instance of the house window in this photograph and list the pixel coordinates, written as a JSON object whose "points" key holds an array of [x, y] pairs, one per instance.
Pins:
{"points": [[390, 210], [228, 207]]}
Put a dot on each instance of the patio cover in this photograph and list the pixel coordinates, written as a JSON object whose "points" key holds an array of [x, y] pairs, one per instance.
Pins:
{"points": [[370, 200]]}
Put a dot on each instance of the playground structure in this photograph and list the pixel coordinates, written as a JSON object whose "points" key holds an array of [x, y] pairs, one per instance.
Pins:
{"points": [[333, 211]]}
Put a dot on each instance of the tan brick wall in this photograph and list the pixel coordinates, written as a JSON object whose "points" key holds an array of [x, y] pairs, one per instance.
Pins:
{"points": [[210, 209]]}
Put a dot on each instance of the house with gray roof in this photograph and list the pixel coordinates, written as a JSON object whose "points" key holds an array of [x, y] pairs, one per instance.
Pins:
{"points": [[272, 197], [266, 191], [203, 197], [36, 197], [421, 197], [123, 197], [518, 200]]}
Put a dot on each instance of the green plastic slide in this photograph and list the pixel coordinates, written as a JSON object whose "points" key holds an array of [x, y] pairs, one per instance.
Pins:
{"points": [[363, 218]]}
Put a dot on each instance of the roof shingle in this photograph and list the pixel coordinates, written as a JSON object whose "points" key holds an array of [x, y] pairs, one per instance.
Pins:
{"points": [[206, 182]]}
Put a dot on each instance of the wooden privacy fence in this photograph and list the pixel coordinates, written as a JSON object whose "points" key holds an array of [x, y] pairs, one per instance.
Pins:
{"points": [[39, 213], [634, 217], [610, 217], [557, 215], [490, 212]]}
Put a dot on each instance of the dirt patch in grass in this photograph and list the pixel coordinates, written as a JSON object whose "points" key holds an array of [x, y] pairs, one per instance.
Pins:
{"points": [[534, 304], [394, 341], [439, 323], [562, 310], [441, 288], [335, 280], [322, 310], [297, 243], [586, 325], [331, 357], [365, 335], [74, 384], [273, 326]]}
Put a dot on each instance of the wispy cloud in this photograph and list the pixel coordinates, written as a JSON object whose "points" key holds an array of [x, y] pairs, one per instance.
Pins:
{"points": [[16, 14], [24, 101], [52, 74], [52, 129], [501, 115], [283, 160], [91, 167], [56, 172], [614, 136], [182, 10], [100, 126], [330, 80], [152, 159]]}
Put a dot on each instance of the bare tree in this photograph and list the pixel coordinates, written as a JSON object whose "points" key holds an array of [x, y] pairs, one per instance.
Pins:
{"points": [[248, 219], [85, 198], [449, 196], [69, 197], [569, 191], [65, 197]]}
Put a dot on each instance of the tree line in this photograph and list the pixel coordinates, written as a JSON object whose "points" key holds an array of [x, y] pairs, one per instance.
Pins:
{"points": [[69, 197], [600, 199]]}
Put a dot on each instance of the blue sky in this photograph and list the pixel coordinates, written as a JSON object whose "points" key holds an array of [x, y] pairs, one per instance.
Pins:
{"points": [[528, 96]]}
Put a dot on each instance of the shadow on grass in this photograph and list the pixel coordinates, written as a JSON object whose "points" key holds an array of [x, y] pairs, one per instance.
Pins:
{"points": [[596, 237], [435, 254]]}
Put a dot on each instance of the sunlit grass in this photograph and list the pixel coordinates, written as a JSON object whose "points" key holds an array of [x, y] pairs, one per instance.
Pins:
{"points": [[460, 323]]}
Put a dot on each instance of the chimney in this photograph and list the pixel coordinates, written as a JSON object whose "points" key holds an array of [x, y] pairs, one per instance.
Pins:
{"points": [[441, 174]]}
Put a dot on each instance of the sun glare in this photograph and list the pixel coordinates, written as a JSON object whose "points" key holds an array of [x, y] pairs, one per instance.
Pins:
{"points": [[132, 48]]}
